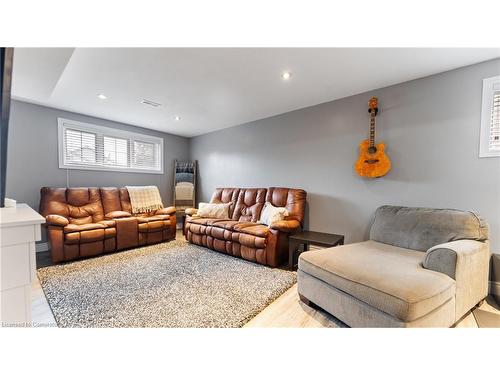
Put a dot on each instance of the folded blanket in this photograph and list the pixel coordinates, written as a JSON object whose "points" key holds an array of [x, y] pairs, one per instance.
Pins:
{"points": [[144, 198], [184, 191]]}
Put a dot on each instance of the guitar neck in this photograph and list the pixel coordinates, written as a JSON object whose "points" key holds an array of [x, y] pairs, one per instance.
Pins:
{"points": [[372, 128]]}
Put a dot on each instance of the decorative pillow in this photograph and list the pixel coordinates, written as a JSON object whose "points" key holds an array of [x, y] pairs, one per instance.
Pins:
{"points": [[271, 214], [214, 210]]}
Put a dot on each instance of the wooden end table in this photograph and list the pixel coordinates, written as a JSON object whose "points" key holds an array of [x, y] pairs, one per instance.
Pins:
{"points": [[307, 238]]}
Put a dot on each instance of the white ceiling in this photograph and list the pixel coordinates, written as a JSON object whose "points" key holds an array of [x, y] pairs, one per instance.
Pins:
{"points": [[215, 88]]}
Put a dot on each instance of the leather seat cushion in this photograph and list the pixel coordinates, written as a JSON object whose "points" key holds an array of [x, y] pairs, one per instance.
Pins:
{"points": [[78, 228], [147, 219], [229, 230], [154, 226], [86, 236], [388, 278], [226, 224], [109, 232], [249, 240], [257, 230], [107, 223], [206, 221]]}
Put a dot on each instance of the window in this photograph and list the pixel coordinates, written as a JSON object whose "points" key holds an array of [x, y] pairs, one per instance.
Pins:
{"points": [[490, 118], [87, 146]]}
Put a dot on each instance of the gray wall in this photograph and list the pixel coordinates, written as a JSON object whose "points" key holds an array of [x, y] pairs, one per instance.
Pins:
{"points": [[33, 156], [430, 126]]}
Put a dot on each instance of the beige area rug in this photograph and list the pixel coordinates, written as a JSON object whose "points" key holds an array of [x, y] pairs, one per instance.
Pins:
{"points": [[174, 284]]}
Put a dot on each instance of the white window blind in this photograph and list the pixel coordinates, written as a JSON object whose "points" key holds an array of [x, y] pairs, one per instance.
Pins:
{"points": [[88, 146], [490, 118], [494, 144]]}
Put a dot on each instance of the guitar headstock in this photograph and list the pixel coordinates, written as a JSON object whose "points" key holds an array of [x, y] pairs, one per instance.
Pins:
{"points": [[373, 104]]}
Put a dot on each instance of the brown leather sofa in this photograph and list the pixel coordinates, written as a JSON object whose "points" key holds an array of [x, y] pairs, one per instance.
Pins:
{"points": [[83, 222], [240, 235]]}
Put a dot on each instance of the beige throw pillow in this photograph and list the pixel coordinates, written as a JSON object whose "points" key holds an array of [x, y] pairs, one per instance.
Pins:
{"points": [[214, 210], [271, 214]]}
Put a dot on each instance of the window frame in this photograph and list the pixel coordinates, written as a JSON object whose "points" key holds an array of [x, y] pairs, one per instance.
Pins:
{"points": [[64, 124], [489, 90]]}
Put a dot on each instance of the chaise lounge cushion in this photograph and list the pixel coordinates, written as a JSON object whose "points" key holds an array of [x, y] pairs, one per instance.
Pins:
{"points": [[388, 278]]}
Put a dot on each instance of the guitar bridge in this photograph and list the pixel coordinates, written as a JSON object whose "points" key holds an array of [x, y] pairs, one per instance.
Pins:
{"points": [[371, 161]]}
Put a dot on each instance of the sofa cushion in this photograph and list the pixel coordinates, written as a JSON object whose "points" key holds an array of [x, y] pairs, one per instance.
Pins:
{"points": [[422, 228], [249, 240], [226, 195], [108, 223], [92, 235], [226, 224], [154, 226], [257, 230], [385, 277], [147, 219], [214, 210], [86, 236], [294, 200], [206, 221], [249, 204], [78, 228]]}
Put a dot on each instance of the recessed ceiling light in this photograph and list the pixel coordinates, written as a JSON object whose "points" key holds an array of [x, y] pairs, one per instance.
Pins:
{"points": [[286, 76], [177, 118], [102, 96], [150, 102]]}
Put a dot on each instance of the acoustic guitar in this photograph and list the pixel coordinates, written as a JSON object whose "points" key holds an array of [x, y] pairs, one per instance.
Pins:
{"points": [[372, 161]]}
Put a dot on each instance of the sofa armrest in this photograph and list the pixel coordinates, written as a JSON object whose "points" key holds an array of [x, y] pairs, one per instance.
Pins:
{"points": [[117, 214], [467, 262], [286, 225], [56, 220], [165, 211], [450, 257], [191, 211]]}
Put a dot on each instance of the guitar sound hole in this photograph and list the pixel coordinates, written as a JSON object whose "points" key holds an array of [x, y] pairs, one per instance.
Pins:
{"points": [[372, 150]]}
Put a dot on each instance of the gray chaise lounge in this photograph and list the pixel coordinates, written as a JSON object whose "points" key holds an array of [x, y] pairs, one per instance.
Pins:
{"points": [[420, 268]]}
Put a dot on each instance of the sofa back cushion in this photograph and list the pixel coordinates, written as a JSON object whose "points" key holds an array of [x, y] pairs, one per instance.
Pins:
{"points": [[422, 228], [53, 202], [249, 204], [226, 195], [125, 200], [294, 200], [78, 205], [110, 197]]}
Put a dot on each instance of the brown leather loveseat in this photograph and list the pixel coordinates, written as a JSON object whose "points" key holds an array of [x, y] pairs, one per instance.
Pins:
{"points": [[241, 235], [83, 222]]}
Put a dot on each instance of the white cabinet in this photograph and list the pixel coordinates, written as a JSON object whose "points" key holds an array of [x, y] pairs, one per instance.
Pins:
{"points": [[19, 229]]}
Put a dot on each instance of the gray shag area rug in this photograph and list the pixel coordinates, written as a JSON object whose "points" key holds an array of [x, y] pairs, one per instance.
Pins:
{"points": [[174, 284]]}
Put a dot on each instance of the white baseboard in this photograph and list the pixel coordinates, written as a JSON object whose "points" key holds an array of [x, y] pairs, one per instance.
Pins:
{"points": [[41, 246]]}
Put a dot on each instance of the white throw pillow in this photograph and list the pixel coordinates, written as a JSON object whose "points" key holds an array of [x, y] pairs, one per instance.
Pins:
{"points": [[214, 210], [271, 214]]}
